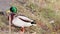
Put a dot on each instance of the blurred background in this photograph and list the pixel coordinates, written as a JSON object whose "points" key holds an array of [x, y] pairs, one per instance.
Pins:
{"points": [[46, 14]]}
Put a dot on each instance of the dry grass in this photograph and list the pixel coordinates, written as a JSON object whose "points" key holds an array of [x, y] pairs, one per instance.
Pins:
{"points": [[42, 11]]}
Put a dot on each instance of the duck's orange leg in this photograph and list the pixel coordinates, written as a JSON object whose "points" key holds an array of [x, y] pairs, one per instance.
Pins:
{"points": [[22, 30]]}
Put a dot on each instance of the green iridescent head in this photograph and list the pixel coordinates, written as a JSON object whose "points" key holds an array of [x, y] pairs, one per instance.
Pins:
{"points": [[13, 9]]}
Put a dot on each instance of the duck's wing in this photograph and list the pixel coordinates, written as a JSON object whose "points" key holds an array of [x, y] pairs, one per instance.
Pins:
{"points": [[25, 19]]}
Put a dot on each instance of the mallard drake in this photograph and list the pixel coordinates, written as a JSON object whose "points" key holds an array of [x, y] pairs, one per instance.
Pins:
{"points": [[20, 21]]}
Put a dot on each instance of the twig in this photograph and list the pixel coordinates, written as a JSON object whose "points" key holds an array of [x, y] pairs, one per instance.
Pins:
{"points": [[9, 24]]}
